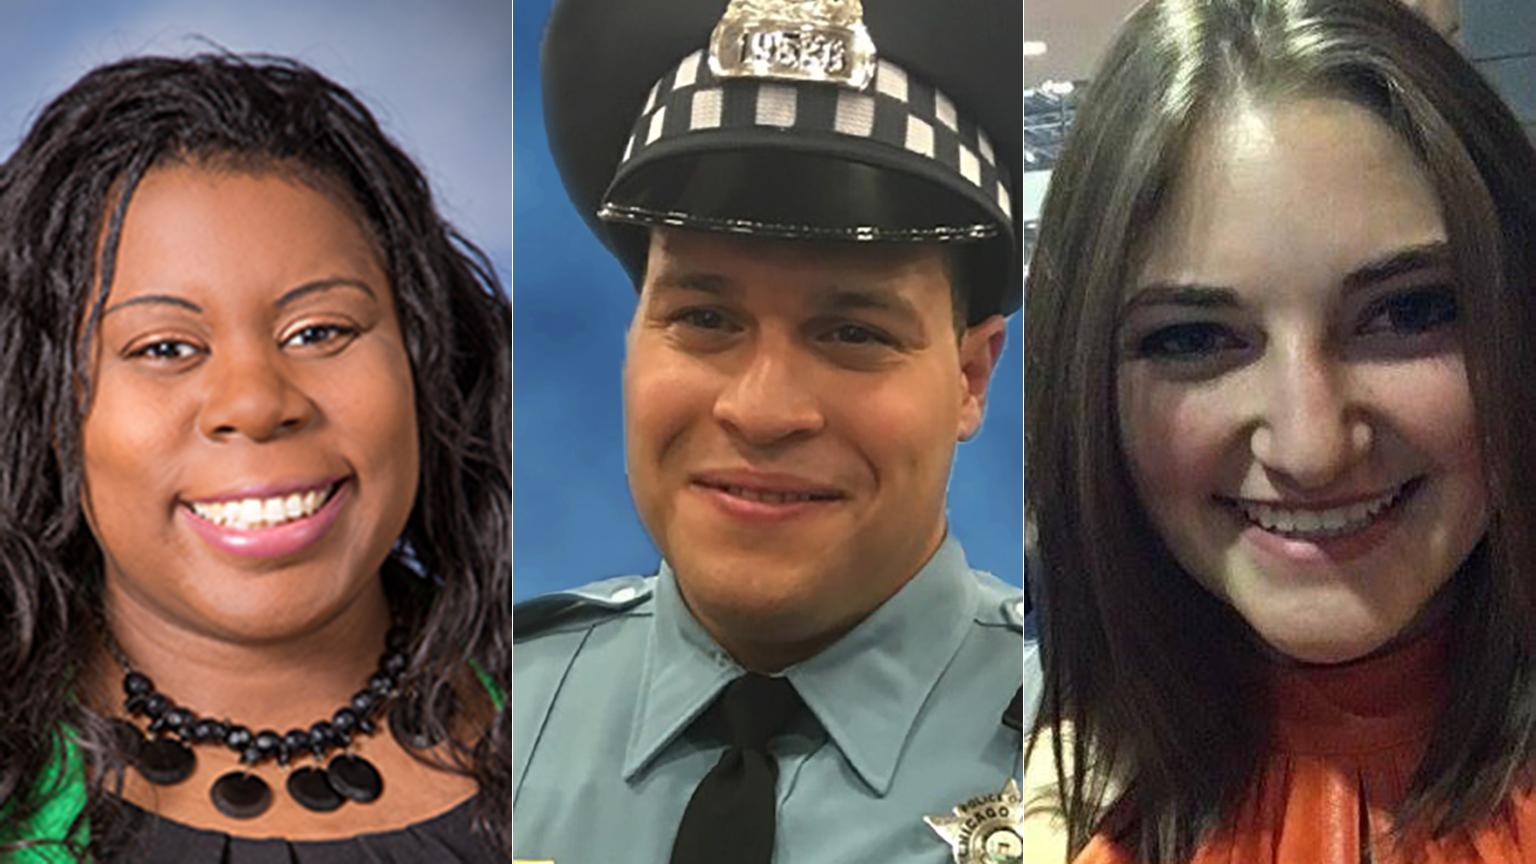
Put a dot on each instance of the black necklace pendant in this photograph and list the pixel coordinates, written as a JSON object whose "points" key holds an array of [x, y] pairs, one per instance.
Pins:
{"points": [[167, 758], [129, 740], [311, 787], [165, 761], [355, 777], [239, 795]]}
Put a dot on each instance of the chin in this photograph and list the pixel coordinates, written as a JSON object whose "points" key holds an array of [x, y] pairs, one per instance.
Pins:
{"points": [[754, 586], [275, 610], [1322, 639]]}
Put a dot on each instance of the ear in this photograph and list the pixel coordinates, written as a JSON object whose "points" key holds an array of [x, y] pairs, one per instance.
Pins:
{"points": [[980, 346]]}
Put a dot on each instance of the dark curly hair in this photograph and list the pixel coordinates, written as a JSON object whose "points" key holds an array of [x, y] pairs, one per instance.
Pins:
{"points": [[63, 194]]}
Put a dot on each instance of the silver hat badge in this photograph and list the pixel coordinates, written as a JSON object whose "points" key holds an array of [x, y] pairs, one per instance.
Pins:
{"points": [[794, 40]]}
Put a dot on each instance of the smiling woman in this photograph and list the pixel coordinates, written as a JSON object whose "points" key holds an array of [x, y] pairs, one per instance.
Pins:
{"points": [[1304, 435], [256, 491], [1279, 324]]}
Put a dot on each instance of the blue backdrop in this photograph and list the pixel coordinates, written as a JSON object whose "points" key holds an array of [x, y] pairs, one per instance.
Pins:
{"points": [[438, 76], [573, 519]]}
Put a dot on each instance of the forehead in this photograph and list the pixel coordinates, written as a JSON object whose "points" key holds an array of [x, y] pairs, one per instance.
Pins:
{"points": [[744, 263], [208, 225], [1300, 190]]}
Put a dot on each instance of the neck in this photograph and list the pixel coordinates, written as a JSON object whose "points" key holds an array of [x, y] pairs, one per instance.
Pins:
{"points": [[761, 645], [278, 683], [770, 657]]}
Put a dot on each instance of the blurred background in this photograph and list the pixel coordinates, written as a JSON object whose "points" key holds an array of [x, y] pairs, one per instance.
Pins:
{"points": [[574, 521], [1068, 37], [438, 76]]}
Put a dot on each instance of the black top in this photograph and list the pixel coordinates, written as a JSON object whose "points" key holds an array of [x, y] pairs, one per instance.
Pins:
{"points": [[443, 839]]}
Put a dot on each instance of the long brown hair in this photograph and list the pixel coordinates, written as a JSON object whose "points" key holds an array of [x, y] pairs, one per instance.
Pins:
{"points": [[1152, 704]]}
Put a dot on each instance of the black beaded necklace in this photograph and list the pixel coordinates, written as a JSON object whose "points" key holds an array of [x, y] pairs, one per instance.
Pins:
{"points": [[164, 757]]}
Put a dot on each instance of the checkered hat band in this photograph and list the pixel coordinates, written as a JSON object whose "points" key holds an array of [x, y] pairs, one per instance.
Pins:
{"points": [[897, 111]]}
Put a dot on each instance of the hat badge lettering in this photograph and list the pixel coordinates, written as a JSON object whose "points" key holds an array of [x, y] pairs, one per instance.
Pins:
{"points": [[820, 40]]}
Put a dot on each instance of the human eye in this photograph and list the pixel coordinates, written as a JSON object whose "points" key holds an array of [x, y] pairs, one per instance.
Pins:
{"points": [[320, 335], [1187, 342], [1410, 313], [701, 318], [163, 351], [858, 335]]}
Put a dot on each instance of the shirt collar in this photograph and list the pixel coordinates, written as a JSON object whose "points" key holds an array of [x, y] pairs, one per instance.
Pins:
{"points": [[683, 672], [865, 689]]}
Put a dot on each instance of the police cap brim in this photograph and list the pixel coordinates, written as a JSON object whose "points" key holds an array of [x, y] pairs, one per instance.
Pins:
{"points": [[602, 59]]}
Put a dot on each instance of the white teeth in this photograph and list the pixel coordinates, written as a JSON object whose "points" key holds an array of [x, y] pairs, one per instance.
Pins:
{"points": [[1305, 524], [771, 497], [249, 513]]}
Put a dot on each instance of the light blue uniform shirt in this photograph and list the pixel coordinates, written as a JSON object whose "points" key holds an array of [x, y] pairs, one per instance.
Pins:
{"points": [[905, 720]]}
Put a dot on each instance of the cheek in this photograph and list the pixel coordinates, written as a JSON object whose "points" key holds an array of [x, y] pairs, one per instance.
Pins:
{"points": [[1432, 406], [663, 396], [369, 391], [898, 434], [390, 409], [125, 442], [1429, 406], [1177, 441]]}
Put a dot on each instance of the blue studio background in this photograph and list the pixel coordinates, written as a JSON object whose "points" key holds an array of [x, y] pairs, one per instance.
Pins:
{"points": [[438, 76], [573, 519]]}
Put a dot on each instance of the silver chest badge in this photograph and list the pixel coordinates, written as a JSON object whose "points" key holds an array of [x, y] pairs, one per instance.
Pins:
{"points": [[794, 40], [987, 829]]}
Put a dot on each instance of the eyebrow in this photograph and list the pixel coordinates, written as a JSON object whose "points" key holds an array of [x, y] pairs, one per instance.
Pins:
{"points": [[1429, 256], [707, 283], [318, 285], [288, 296], [1181, 294], [841, 298], [836, 298], [144, 299]]}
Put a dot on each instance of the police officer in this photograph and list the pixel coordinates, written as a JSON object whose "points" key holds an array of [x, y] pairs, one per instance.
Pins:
{"points": [[816, 202]]}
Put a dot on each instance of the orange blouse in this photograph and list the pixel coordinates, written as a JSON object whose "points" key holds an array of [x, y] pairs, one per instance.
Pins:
{"points": [[1346, 742]]}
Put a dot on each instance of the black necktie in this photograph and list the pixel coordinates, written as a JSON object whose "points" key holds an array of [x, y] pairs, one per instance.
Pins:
{"points": [[731, 814]]}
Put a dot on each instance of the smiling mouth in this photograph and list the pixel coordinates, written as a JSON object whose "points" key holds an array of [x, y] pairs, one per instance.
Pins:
{"points": [[764, 496], [1323, 524], [250, 514]]}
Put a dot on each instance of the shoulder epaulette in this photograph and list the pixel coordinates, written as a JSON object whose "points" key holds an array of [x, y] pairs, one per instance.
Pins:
{"points": [[1005, 602], [1013, 609], [593, 600]]}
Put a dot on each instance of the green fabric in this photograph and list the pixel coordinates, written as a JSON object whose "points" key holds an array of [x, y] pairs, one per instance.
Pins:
{"points": [[65, 778], [498, 698]]}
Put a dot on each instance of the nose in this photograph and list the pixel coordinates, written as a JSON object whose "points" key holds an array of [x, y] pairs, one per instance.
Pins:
{"points": [[769, 397], [1312, 429], [250, 394]]}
